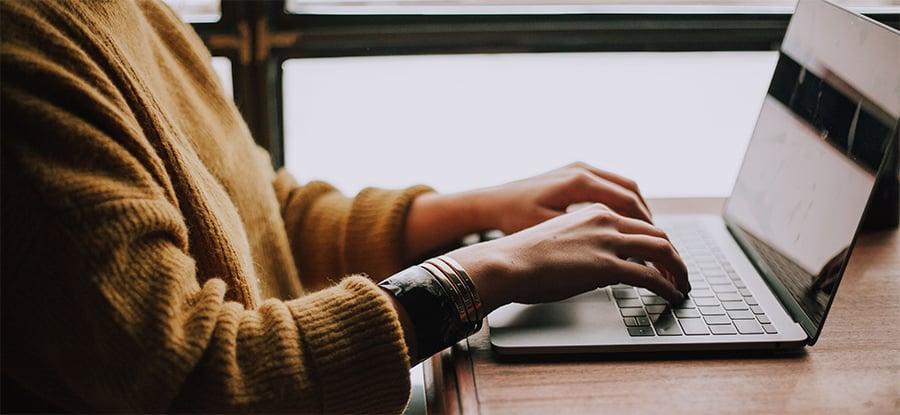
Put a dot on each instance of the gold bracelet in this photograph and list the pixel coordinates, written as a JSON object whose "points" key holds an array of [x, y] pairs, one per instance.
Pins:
{"points": [[428, 303], [467, 305], [449, 288], [464, 276], [459, 285]]}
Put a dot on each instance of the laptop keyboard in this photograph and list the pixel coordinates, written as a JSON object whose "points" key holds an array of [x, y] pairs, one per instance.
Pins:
{"points": [[719, 302]]}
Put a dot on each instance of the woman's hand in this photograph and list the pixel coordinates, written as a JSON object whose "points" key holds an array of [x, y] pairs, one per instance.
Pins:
{"points": [[436, 220], [571, 254], [521, 204], [549, 254]]}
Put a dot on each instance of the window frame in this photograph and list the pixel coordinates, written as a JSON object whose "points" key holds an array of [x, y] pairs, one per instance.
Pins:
{"points": [[259, 36]]}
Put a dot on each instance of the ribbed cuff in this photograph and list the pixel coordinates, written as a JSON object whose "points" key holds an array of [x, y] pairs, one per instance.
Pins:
{"points": [[375, 235], [356, 349]]}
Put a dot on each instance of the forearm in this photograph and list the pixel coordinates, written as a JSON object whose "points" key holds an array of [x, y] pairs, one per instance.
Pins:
{"points": [[438, 220], [332, 235]]}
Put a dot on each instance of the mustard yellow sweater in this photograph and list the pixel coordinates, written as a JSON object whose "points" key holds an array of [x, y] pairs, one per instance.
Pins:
{"points": [[152, 259]]}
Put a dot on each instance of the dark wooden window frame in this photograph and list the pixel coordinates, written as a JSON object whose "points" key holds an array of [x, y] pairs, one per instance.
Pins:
{"points": [[258, 36]]}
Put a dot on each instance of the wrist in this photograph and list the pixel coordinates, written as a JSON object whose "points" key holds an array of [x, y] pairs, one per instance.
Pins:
{"points": [[440, 305], [489, 270], [440, 220]]}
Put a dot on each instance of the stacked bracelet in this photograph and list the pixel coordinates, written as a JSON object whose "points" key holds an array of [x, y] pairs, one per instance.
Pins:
{"points": [[452, 275], [441, 300]]}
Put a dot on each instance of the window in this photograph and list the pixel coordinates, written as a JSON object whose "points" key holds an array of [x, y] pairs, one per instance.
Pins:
{"points": [[197, 11], [677, 122], [276, 48], [564, 6]]}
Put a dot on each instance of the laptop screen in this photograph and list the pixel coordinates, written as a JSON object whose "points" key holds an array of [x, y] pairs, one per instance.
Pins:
{"points": [[824, 131]]}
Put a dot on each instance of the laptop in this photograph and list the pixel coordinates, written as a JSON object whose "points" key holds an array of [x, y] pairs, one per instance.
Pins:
{"points": [[765, 272]]}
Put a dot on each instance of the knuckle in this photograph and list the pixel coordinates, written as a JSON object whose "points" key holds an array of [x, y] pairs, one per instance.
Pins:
{"points": [[578, 165], [664, 247], [634, 202], [612, 239], [603, 216], [631, 184], [581, 178]]}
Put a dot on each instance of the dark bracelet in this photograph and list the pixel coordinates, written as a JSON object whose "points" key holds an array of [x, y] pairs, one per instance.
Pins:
{"points": [[433, 311]]}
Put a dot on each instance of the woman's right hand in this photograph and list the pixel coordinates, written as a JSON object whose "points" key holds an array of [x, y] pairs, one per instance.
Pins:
{"points": [[572, 254]]}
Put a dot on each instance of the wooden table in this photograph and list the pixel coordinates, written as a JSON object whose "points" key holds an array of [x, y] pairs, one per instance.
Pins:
{"points": [[854, 367]]}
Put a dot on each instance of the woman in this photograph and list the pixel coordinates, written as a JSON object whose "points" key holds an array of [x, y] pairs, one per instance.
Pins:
{"points": [[153, 260]]}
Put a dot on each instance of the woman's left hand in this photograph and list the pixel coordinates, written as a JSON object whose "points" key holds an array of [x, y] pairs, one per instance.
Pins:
{"points": [[436, 220], [521, 204]]}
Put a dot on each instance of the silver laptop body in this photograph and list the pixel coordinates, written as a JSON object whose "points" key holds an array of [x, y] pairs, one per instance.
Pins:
{"points": [[823, 138]]}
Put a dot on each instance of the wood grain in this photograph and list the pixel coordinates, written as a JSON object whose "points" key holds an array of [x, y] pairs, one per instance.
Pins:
{"points": [[854, 368]]}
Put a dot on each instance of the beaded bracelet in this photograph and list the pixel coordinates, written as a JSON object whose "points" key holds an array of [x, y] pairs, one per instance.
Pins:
{"points": [[441, 301]]}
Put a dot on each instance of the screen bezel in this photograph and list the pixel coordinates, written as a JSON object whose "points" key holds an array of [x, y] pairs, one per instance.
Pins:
{"points": [[794, 308]]}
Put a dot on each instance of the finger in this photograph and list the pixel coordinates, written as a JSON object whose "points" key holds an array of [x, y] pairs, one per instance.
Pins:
{"points": [[639, 227], [622, 181], [618, 198], [661, 253], [651, 279]]}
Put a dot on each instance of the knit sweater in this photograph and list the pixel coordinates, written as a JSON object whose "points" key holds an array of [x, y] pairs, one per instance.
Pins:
{"points": [[152, 258]]}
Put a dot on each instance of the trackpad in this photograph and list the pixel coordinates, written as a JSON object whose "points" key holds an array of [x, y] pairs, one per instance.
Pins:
{"points": [[593, 311]]}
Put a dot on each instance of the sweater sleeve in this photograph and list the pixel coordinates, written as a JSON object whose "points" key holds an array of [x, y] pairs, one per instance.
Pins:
{"points": [[332, 235], [103, 303]]}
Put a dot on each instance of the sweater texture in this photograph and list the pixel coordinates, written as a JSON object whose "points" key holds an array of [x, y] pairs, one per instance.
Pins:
{"points": [[152, 258]]}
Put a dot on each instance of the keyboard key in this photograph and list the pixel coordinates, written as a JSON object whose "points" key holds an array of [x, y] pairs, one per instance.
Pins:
{"points": [[685, 304], [711, 320], [751, 300], [701, 293], [642, 321], [624, 293], [628, 302], [719, 281], [741, 315], [769, 328], [646, 293], [687, 313], [734, 305], [655, 300], [705, 258], [640, 331], [706, 302], [724, 289], [632, 312], [666, 325], [739, 284], [745, 292], [763, 319], [715, 274], [694, 327], [748, 327], [712, 311], [656, 309], [722, 329], [699, 285], [730, 297], [756, 309]]}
